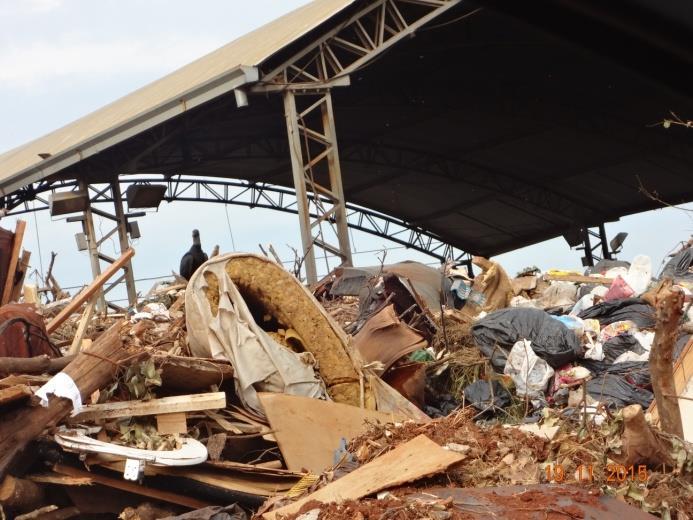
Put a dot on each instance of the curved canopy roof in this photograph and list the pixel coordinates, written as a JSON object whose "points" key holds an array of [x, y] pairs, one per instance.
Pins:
{"points": [[492, 128]]}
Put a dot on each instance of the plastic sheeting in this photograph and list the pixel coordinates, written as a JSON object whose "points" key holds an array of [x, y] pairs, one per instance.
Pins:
{"points": [[614, 390], [679, 267], [620, 344], [551, 340], [484, 395], [259, 362], [633, 309], [635, 372]]}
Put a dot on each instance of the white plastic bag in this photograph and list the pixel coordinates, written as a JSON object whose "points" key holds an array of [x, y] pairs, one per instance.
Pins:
{"points": [[595, 351], [639, 274], [530, 373]]}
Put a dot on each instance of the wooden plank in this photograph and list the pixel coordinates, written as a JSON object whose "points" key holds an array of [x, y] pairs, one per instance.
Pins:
{"points": [[33, 365], [14, 393], [89, 291], [292, 418], [22, 269], [132, 487], [178, 403], [14, 260], [23, 379], [578, 278], [262, 485], [172, 423], [230, 480], [192, 374], [82, 327], [59, 480], [226, 425], [418, 458], [51, 513], [261, 468]]}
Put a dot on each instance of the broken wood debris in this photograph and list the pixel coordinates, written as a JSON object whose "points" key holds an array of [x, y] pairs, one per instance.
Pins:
{"points": [[146, 404], [165, 405]]}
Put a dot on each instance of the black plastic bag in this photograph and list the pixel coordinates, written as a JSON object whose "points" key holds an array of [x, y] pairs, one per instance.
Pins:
{"points": [[635, 372], [551, 340], [479, 395], [678, 267], [633, 309], [617, 345], [615, 391]]}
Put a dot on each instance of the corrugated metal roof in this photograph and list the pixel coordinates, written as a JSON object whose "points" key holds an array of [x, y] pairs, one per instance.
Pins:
{"points": [[214, 74]]}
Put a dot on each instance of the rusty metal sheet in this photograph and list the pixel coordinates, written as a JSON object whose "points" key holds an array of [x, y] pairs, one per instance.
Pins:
{"points": [[23, 332], [540, 502]]}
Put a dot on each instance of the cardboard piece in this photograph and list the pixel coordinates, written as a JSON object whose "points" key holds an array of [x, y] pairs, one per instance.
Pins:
{"points": [[294, 419]]}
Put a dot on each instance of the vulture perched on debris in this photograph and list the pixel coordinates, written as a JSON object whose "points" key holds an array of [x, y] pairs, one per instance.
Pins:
{"points": [[194, 258]]}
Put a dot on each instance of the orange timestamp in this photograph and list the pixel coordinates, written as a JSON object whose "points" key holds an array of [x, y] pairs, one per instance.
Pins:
{"points": [[586, 473]]}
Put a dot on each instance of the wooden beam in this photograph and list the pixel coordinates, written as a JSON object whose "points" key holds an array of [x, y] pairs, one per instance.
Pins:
{"points": [[14, 259], [88, 292], [50, 513], [576, 278], [34, 365], [14, 393], [226, 425], [22, 269], [82, 327], [89, 373], [132, 487], [178, 403], [20, 495]]}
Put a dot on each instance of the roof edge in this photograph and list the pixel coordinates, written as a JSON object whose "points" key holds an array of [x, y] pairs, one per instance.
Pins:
{"points": [[222, 84]]}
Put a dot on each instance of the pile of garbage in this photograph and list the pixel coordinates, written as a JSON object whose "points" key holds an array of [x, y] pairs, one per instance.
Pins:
{"points": [[398, 391]]}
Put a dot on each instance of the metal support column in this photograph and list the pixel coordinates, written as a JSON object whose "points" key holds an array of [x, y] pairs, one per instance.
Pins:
{"points": [[93, 247], [122, 224], [606, 254], [589, 259], [316, 169]]}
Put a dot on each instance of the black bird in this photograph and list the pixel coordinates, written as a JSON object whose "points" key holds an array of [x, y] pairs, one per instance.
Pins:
{"points": [[194, 258]]}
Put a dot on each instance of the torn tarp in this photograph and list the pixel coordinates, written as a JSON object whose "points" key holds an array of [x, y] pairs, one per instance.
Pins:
{"points": [[428, 282], [680, 267], [230, 332]]}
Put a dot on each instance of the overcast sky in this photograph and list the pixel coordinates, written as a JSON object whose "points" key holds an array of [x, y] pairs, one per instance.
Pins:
{"points": [[60, 59]]}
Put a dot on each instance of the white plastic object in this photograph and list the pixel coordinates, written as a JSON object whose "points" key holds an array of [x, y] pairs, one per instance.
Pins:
{"points": [[639, 274], [61, 385], [530, 373], [134, 469], [192, 452]]}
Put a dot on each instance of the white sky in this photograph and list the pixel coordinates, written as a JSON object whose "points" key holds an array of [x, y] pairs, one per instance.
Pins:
{"points": [[60, 59]]}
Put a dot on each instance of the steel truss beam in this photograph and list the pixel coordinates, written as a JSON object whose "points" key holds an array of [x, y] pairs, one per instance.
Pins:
{"points": [[602, 243], [119, 218], [352, 44], [316, 169], [252, 195], [321, 65]]}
